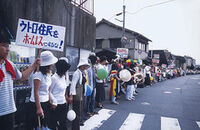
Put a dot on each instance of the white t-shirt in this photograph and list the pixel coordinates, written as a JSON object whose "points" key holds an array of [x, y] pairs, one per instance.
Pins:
{"points": [[45, 82], [58, 89]]}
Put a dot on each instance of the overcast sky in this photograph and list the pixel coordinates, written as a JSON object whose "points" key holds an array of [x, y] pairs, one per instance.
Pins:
{"points": [[174, 26]]}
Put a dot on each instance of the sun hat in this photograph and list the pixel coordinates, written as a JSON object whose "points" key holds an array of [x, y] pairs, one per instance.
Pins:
{"points": [[83, 62], [64, 58], [47, 58], [92, 54]]}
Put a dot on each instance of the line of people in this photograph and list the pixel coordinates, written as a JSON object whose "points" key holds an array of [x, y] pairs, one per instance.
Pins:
{"points": [[50, 100]]}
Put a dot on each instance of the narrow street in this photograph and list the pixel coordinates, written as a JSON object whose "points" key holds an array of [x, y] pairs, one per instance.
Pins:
{"points": [[169, 105]]}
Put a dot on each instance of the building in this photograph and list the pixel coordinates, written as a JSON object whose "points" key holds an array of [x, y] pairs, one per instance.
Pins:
{"points": [[180, 61], [162, 57], [190, 62], [108, 36]]}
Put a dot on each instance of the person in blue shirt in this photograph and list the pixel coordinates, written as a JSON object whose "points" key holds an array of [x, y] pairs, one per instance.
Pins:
{"points": [[92, 82]]}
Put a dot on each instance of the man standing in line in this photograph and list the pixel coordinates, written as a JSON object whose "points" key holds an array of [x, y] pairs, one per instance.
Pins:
{"points": [[9, 73]]}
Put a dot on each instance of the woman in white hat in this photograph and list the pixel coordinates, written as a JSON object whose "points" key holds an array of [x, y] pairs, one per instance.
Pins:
{"points": [[58, 96], [39, 100], [76, 92]]}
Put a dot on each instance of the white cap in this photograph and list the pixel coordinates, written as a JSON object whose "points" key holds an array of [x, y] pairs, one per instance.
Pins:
{"points": [[83, 62], [92, 53], [47, 58], [65, 59]]}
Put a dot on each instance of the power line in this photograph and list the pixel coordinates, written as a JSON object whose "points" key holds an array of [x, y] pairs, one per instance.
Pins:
{"points": [[118, 14], [157, 4]]}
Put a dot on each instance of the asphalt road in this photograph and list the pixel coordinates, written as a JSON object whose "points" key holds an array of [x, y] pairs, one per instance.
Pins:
{"points": [[169, 105]]}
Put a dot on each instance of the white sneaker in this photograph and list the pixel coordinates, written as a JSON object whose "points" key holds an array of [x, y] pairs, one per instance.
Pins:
{"points": [[135, 94], [132, 98], [115, 102], [128, 99]]}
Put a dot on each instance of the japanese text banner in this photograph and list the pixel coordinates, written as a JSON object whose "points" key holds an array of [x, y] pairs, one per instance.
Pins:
{"points": [[122, 52], [40, 35]]}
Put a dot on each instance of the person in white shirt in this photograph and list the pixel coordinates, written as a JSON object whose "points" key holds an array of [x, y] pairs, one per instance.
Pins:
{"points": [[39, 100], [68, 82], [100, 90], [59, 97], [148, 75], [77, 92]]}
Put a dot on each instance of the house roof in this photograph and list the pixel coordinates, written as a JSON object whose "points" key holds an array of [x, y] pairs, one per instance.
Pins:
{"points": [[138, 35]]}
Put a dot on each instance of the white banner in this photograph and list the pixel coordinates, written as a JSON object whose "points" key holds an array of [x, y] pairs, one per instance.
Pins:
{"points": [[40, 35], [122, 52]]}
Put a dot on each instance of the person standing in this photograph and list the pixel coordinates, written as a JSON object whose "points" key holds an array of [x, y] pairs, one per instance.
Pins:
{"points": [[114, 82], [39, 100], [92, 82], [77, 92], [100, 90], [131, 84], [59, 97], [148, 75], [9, 73]]}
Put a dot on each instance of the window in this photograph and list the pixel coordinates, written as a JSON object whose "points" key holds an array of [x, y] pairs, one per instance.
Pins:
{"points": [[72, 55], [115, 43], [143, 47], [140, 46], [146, 48], [99, 43]]}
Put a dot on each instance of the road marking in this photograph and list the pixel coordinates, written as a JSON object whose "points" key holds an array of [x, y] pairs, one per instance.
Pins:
{"points": [[177, 88], [168, 92], [169, 124], [146, 103], [195, 78], [198, 123], [97, 120], [133, 122]]}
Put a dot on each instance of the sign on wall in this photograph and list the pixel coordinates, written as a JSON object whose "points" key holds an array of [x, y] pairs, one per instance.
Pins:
{"points": [[156, 56], [40, 35], [122, 52]]}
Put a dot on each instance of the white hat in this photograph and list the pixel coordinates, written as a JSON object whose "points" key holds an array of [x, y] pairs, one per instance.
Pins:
{"points": [[92, 53], [65, 59], [83, 62], [47, 58]]}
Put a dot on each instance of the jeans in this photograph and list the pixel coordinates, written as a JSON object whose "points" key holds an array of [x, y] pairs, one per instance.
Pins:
{"points": [[91, 101]]}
